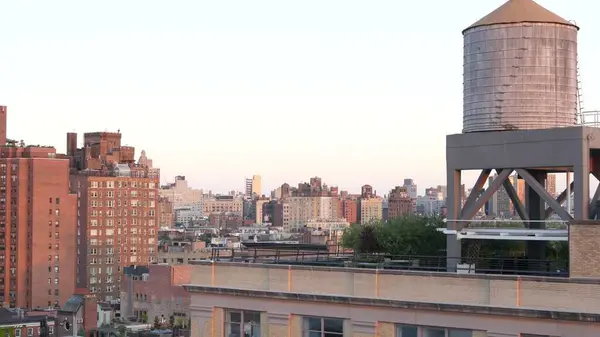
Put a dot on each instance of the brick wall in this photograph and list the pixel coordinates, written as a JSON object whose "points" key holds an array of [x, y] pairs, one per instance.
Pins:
{"points": [[584, 240], [506, 291], [161, 294]]}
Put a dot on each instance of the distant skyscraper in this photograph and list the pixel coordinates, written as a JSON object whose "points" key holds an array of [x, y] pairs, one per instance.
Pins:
{"points": [[255, 186], [411, 188], [551, 184], [248, 189]]}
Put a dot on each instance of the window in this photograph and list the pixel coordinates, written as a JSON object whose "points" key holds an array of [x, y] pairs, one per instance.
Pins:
{"points": [[322, 327], [29, 331], [17, 332], [242, 323], [459, 333], [58, 201], [407, 331], [434, 332], [417, 331]]}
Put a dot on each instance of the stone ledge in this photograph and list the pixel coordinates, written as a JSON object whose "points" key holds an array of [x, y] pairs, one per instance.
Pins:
{"points": [[402, 272], [443, 307], [584, 222]]}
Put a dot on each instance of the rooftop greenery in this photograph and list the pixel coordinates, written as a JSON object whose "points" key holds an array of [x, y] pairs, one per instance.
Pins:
{"points": [[418, 236]]}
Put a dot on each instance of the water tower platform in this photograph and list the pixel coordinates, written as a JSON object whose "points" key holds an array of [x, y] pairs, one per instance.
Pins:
{"points": [[532, 154]]}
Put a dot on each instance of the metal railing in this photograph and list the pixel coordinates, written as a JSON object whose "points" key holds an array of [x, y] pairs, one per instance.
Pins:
{"points": [[466, 265], [590, 118]]}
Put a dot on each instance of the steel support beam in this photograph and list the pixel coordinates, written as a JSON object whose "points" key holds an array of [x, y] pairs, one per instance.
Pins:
{"points": [[469, 213], [479, 184], [593, 203], [581, 194], [453, 246], [541, 191], [561, 198], [514, 197]]}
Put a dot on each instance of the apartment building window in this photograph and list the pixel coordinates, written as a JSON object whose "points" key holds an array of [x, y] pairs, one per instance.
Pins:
{"points": [[322, 327], [418, 331], [240, 323], [29, 331], [18, 332]]}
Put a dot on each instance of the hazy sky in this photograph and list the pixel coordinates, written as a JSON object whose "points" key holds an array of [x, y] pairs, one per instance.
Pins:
{"points": [[353, 91]]}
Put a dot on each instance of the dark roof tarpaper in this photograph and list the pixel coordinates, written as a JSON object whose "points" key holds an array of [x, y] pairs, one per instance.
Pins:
{"points": [[519, 11]]}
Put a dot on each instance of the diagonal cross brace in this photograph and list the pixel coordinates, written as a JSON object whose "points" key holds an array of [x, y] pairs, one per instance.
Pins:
{"points": [[483, 176], [470, 212], [514, 197], [593, 208], [561, 198], [541, 191]]}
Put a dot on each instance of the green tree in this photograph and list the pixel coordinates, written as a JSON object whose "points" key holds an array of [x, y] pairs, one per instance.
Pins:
{"points": [[351, 237], [156, 322], [412, 235], [144, 317], [180, 323], [122, 330], [409, 235], [171, 321], [369, 239]]}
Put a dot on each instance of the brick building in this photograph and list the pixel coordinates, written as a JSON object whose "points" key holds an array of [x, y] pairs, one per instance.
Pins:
{"points": [[140, 298], [37, 225], [399, 203], [350, 210], [166, 214], [118, 212]]}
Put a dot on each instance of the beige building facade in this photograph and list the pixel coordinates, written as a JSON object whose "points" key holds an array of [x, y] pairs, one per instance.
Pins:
{"points": [[274, 300], [282, 301], [179, 193], [370, 209], [224, 204], [301, 210]]}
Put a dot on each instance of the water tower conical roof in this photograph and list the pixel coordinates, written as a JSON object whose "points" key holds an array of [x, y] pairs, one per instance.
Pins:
{"points": [[518, 11]]}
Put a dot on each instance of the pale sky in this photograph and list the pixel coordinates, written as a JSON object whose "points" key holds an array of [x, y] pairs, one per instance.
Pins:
{"points": [[356, 92]]}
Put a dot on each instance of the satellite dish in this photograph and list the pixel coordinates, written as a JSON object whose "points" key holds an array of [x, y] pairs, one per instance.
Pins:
{"points": [[67, 326]]}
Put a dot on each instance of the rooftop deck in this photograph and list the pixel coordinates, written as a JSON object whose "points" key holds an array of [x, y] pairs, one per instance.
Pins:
{"points": [[499, 291]]}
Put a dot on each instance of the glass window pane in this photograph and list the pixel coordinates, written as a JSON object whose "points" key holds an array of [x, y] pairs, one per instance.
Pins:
{"points": [[251, 330], [333, 325], [434, 332], [407, 331], [234, 316], [459, 333], [313, 324], [232, 330], [312, 334], [251, 317]]}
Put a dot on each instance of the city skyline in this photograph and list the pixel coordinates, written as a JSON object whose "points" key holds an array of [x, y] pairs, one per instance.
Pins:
{"points": [[202, 103]]}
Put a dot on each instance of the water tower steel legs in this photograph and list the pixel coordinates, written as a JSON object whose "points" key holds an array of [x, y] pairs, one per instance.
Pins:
{"points": [[532, 154]]}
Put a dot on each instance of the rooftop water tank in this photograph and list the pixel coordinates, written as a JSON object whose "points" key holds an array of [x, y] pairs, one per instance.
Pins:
{"points": [[520, 70]]}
